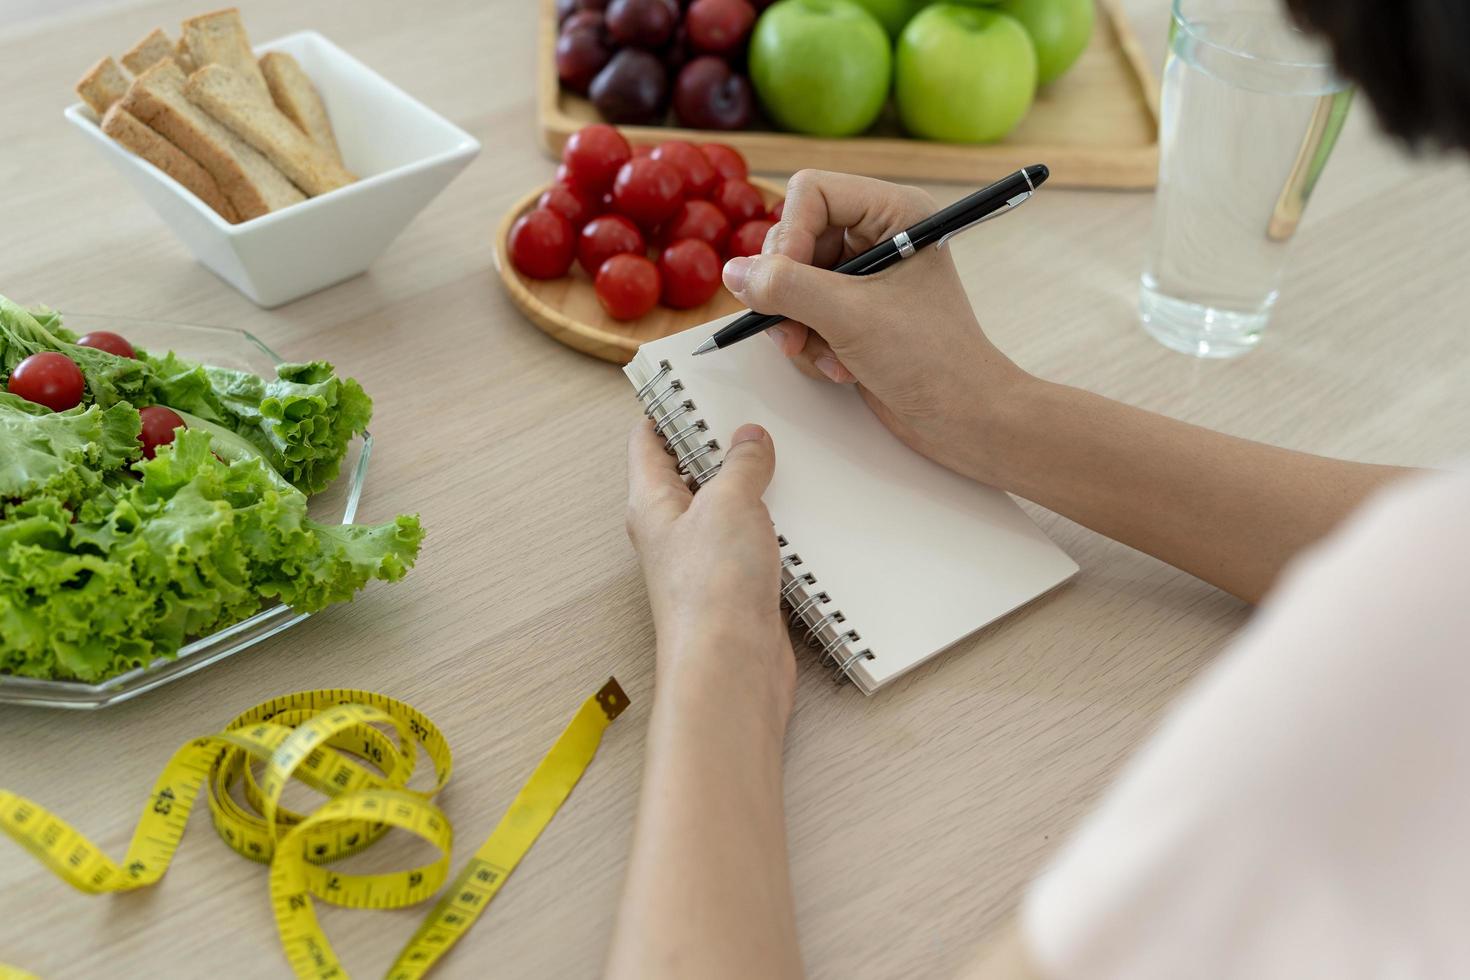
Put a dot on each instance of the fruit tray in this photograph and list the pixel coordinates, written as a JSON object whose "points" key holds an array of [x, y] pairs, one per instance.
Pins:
{"points": [[1097, 126], [567, 309]]}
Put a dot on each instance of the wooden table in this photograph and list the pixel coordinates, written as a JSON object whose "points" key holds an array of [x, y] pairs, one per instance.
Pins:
{"points": [[917, 816]]}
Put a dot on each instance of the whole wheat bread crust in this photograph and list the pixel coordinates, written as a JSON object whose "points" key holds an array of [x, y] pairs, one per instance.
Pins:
{"points": [[219, 38], [250, 182], [137, 136], [102, 85], [148, 52], [226, 96], [298, 98]]}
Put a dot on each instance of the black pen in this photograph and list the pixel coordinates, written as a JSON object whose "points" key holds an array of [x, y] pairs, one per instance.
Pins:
{"points": [[988, 202]]}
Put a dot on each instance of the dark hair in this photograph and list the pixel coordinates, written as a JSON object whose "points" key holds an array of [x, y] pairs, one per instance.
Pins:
{"points": [[1410, 57]]}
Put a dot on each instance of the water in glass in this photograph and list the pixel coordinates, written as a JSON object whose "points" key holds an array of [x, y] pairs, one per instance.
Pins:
{"points": [[1250, 109]]}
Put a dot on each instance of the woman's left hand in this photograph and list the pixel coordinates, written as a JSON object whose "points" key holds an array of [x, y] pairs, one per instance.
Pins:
{"points": [[712, 567]]}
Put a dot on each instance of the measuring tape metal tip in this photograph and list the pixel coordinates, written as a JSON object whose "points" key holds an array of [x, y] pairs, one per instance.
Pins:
{"points": [[614, 702]]}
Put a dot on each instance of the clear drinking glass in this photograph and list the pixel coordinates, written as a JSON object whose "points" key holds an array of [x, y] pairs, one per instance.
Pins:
{"points": [[1251, 107]]}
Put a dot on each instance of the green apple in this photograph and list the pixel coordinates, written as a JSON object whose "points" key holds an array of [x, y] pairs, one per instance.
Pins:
{"points": [[963, 74], [1060, 29], [821, 67], [893, 14]]}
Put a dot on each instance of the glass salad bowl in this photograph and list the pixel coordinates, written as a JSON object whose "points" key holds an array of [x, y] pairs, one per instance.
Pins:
{"points": [[337, 504]]}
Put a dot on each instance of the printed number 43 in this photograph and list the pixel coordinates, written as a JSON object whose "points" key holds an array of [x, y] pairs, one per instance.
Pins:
{"points": [[165, 801]]}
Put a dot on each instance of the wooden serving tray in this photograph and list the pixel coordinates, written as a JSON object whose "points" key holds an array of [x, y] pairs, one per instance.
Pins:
{"points": [[567, 308], [1097, 126]]}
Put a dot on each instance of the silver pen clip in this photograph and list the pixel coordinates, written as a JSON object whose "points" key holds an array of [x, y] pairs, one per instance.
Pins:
{"points": [[1011, 205]]}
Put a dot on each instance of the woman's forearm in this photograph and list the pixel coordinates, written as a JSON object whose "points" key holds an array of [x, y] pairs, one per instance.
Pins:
{"points": [[1230, 511], [708, 892]]}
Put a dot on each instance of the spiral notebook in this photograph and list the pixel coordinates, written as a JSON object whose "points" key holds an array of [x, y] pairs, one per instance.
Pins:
{"points": [[887, 558]]}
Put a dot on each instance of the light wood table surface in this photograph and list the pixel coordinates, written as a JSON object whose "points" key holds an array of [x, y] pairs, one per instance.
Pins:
{"points": [[916, 816]]}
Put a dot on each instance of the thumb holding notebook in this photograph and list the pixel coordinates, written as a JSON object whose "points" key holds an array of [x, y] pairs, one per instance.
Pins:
{"points": [[712, 568], [908, 335]]}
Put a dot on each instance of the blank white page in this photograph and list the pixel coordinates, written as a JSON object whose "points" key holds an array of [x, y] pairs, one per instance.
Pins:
{"points": [[915, 556]]}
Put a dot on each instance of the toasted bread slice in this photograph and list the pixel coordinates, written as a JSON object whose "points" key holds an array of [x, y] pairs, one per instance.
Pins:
{"points": [[102, 85], [295, 96], [252, 184], [182, 56], [225, 95], [219, 38], [148, 52], [136, 135]]}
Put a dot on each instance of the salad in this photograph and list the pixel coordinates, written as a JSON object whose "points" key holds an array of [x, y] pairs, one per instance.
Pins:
{"points": [[146, 499]]}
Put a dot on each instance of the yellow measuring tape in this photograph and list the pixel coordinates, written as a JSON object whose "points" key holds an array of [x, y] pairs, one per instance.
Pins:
{"points": [[315, 737]]}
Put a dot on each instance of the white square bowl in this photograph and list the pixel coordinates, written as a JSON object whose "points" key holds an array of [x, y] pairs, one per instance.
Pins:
{"points": [[404, 153]]}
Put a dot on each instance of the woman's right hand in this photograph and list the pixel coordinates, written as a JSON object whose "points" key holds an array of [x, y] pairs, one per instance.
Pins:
{"points": [[907, 336]]}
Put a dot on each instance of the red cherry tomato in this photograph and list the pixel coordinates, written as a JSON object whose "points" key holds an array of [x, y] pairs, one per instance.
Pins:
{"points": [[727, 161], [605, 236], [691, 273], [701, 220], [627, 286], [108, 341], [749, 237], [541, 243], [593, 155], [740, 201], [49, 379], [699, 174], [571, 202], [563, 175], [778, 209], [639, 152], [648, 191], [159, 424]]}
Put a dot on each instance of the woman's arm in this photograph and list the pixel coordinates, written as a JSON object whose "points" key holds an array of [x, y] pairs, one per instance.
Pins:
{"points": [[708, 892], [1230, 511]]}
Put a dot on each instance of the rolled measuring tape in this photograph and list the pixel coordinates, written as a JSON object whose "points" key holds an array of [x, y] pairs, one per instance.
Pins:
{"points": [[313, 736]]}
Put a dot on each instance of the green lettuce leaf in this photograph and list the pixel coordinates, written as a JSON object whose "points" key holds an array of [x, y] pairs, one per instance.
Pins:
{"points": [[64, 455], [186, 545], [302, 420]]}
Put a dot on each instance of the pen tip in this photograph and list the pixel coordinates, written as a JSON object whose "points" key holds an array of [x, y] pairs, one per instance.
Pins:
{"points": [[1038, 172], [705, 347]]}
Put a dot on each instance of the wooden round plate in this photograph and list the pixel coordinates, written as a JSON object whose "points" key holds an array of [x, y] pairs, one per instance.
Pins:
{"points": [[567, 308]]}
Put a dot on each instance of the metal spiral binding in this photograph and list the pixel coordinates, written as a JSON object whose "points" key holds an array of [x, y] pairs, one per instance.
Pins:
{"points": [[696, 455], [822, 627]]}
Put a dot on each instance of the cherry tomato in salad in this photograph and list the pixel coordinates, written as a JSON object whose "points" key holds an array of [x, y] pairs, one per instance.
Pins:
{"points": [[49, 379], [108, 341], [690, 270], [700, 176], [627, 286], [649, 191], [593, 155], [701, 220], [642, 151], [750, 237], [572, 202], [740, 201], [159, 423], [727, 161], [605, 236], [541, 243]]}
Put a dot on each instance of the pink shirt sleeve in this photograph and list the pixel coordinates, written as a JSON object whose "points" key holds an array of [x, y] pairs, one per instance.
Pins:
{"points": [[1305, 809]]}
